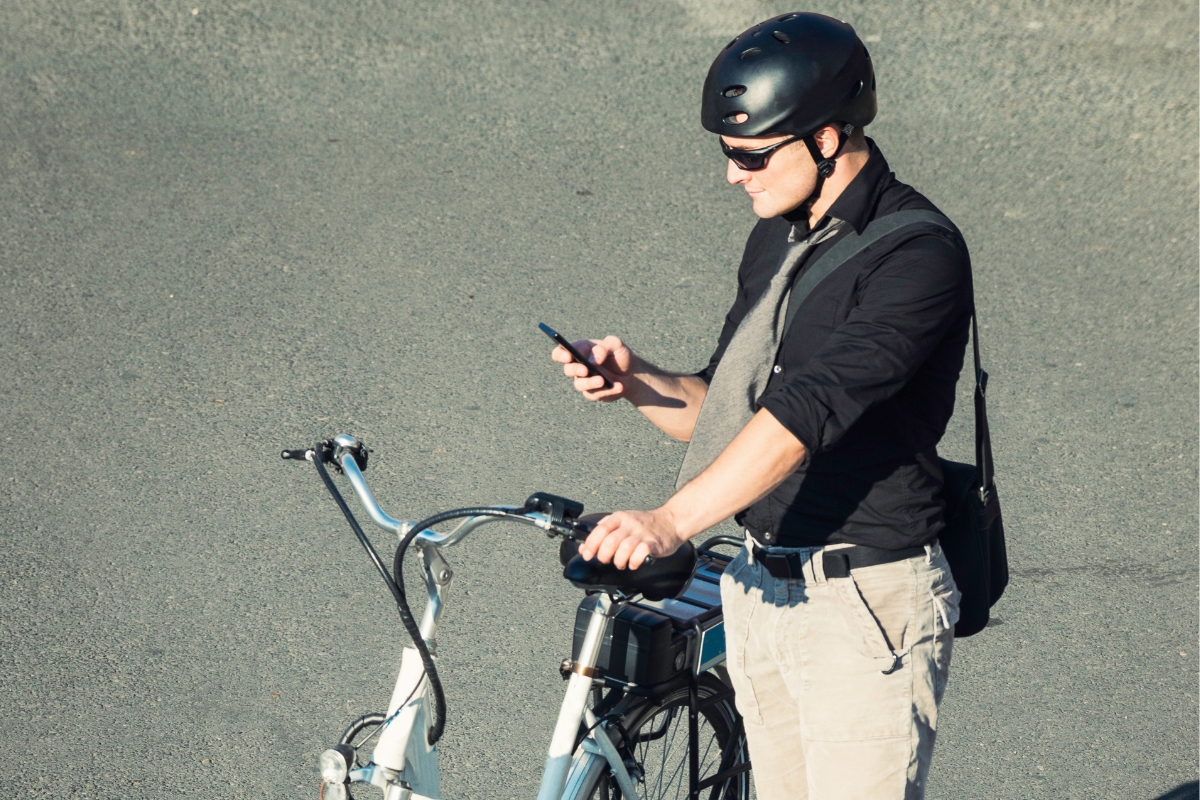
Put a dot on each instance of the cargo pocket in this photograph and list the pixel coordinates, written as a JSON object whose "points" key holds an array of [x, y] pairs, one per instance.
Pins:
{"points": [[879, 605], [853, 689]]}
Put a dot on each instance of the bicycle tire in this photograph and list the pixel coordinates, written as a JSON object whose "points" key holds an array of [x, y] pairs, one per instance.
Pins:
{"points": [[660, 742]]}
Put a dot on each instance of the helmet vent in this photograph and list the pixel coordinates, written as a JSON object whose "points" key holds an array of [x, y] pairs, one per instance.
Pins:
{"points": [[751, 52], [732, 42], [781, 36], [788, 17], [736, 118], [734, 91], [857, 88]]}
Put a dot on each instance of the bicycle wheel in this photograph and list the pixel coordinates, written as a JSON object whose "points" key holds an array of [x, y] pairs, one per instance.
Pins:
{"points": [[659, 738]]}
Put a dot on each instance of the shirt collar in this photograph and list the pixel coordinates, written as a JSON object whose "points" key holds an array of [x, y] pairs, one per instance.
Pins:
{"points": [[826, 227], [856, 204]]}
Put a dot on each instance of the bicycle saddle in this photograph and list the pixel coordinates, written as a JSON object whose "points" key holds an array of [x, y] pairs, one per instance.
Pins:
{"points": [[666, 578]]}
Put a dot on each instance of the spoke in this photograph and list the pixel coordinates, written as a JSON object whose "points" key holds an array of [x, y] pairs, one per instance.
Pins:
{"points": [[670, 740], [662, 750], [675, 776], [712, 740]]}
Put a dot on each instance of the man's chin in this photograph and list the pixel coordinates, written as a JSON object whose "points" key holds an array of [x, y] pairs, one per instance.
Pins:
{"points": [[769, 209], [766, 210]]}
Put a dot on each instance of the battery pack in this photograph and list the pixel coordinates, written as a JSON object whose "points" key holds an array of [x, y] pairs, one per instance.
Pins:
{"points": [[647, 641]]}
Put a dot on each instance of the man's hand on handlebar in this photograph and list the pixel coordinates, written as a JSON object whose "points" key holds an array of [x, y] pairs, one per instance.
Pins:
{"points": [[625, 538], [610, 356]]}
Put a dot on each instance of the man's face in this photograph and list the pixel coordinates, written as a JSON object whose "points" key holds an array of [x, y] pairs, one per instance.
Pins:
{"points": [[787, 180]]}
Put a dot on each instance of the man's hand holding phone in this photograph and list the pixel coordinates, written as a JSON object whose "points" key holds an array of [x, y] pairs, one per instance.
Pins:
{"points": [[608, 356]]}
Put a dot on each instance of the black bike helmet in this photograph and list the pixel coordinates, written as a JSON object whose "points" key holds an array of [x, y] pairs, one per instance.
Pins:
{"points": [[792, 74]]}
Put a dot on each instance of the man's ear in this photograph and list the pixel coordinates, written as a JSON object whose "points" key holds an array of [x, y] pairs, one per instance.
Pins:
{"points": [[827, 140]]}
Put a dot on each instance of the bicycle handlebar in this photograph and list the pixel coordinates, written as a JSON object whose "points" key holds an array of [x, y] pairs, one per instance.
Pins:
{"points": [[554, 515]]}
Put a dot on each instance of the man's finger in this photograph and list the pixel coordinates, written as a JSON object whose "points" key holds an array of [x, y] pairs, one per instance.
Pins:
{"points": [[600, 393], [609, 546], [598, 354], [638, 556], [592, 543], [625, 550]]}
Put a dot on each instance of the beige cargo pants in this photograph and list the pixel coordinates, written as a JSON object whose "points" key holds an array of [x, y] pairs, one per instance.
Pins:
{"points": [[839, 680]]}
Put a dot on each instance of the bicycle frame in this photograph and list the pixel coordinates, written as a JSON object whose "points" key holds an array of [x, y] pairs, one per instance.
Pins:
{"points": [[404, 765]]}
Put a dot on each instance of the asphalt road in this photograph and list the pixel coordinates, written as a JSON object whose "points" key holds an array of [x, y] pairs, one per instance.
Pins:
{"points": [[231, 227]]}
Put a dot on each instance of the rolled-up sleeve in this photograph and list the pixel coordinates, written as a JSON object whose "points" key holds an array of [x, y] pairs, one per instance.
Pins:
{"points": [[905, 307]]}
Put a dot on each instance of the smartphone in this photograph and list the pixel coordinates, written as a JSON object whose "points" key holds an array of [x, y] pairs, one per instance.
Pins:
{"points": [[558, 337]]}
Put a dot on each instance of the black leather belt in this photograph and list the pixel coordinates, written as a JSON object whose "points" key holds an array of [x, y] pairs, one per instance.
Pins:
{"points": [[836, 563]]}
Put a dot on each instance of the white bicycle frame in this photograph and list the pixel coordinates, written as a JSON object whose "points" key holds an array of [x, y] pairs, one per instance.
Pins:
{"points": [[404, 765]]}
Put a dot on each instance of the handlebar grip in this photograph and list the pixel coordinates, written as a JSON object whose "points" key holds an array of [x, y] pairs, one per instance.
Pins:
{"points": [[295, 455], [649, 561]]}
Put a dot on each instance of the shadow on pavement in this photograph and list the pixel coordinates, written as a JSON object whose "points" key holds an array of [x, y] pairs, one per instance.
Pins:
{"points": [[1187, 791]]}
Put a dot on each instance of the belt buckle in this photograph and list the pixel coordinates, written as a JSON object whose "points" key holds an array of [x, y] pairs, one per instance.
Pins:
{"points": [[784, 565]]}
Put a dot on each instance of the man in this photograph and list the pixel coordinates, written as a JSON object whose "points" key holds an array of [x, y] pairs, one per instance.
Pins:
{"points": [[815, 424]]}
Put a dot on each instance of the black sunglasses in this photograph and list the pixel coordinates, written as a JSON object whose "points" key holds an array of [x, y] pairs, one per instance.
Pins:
{"points": [[753, 160]]}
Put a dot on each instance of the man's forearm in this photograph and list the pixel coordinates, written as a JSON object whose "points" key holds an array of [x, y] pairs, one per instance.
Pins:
{"points": [[754, 463], [672, 402]]}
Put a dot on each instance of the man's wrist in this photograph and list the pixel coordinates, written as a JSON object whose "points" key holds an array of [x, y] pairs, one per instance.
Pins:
{"points": [[646, 382], [675, 522], [636, 386]]}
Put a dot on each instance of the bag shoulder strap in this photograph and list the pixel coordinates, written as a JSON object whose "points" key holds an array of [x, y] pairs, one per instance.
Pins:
{"points": [[851, 245], [984, 468]]}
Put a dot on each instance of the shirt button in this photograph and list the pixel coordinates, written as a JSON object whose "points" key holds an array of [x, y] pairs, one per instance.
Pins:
{"points": [[778, 369]]}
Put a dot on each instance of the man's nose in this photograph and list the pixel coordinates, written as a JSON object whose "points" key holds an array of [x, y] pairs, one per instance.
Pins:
{"points": [[735, 174]]}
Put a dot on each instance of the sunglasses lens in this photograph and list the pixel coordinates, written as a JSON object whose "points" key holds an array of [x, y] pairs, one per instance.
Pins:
{"points": [[751, 162], [748, 160]]}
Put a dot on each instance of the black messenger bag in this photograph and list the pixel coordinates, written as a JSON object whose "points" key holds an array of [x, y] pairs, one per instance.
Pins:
{"points": [[973, 539]]}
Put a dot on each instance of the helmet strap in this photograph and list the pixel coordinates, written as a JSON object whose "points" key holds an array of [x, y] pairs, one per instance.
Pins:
{"points": [[825, 166]]}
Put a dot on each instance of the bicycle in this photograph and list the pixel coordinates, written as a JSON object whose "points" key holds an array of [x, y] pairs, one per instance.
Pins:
{"points": [[647, 653]]}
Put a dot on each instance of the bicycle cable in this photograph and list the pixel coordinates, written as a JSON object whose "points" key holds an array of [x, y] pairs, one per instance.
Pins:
{"points": [[439, 697], [395, 580], [318, 457], [396, 586]]}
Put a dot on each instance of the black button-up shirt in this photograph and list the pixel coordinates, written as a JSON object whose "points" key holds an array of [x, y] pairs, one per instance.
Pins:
{"points": [[865, 375]]}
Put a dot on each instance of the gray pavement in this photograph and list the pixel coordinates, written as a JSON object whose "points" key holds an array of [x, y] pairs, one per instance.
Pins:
{"points": [[227, 228]]}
